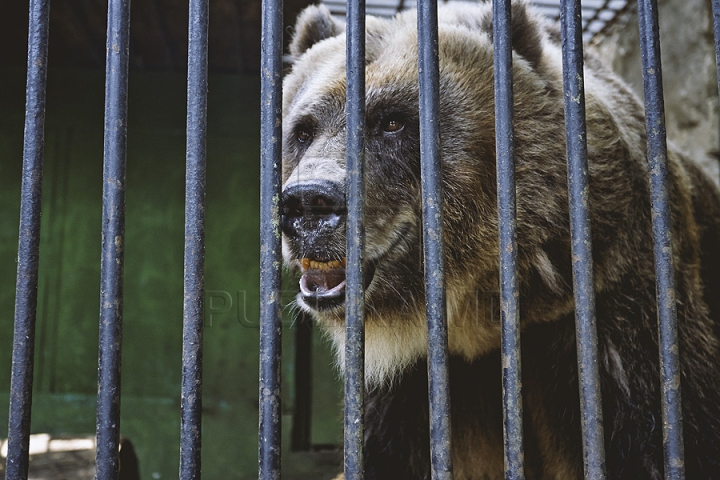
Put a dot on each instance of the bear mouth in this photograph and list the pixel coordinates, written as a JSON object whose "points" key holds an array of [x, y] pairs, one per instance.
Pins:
{"points": [[322, 284]]}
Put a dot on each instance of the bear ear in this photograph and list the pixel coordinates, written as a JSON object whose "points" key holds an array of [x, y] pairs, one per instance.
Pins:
{"points": [[314, 24], [526, 32]]}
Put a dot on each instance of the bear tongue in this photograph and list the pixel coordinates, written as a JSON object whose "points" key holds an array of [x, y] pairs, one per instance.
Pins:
{"points": [[320, 281]]}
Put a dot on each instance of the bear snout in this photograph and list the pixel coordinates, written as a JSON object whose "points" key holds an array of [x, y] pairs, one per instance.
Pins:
{"points": [[313, 216]]}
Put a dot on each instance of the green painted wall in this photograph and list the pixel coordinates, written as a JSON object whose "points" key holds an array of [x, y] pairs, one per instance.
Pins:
{"points": [[66, 345]]}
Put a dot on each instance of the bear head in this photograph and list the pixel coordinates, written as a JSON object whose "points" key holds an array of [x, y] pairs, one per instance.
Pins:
{"points": [[314, 210]]}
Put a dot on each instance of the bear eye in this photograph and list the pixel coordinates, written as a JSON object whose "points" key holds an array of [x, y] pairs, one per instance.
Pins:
{"points": [[392, 125], [304, 135]]}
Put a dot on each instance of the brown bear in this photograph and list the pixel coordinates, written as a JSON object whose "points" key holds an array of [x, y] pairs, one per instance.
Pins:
{"points": [[314, 238]]}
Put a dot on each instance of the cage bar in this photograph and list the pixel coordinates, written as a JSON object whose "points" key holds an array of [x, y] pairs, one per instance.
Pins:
{"points": [[194, 268], [662, 240], [435, 304], [28, 244], [113, 240], [578, 194], [270, 243], [509, 313], [355, 294]]}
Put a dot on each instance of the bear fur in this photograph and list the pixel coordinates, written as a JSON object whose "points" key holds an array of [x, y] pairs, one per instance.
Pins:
{"points": [[314, 239]]}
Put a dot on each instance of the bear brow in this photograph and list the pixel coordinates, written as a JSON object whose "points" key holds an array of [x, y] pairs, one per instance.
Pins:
{"points": [[392, 97]]}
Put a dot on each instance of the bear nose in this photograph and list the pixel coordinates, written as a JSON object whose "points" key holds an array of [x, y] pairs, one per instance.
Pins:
{"points": [[312, 212]]}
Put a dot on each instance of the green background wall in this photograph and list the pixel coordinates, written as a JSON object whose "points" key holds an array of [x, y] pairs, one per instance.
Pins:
{"points": [[67, 321]]}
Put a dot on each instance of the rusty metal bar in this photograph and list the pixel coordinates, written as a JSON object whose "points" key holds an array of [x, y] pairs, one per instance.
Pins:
{"points": [[355, 292], [510, 315], [28, 244], [194, 268], [435, 303], [113, 241], [662, 236], [579, 199], [270, 244]]}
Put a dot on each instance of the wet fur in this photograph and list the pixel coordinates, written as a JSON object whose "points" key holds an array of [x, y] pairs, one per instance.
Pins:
{"points": [[396, 413]]}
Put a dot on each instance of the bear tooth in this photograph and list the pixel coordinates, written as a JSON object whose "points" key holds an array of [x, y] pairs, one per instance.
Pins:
{"points": [[307, 263]]}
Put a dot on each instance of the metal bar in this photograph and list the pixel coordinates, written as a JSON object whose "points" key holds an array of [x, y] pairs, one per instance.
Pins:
{"points": [[662, 236], [578, 191], [355, 294], [113, 241], [28, 244], [270, 244], [435, 304], [510, 316], [194, 268]]}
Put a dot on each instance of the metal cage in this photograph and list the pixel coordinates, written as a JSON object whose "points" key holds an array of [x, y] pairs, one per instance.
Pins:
{"points": [[111, 301]]}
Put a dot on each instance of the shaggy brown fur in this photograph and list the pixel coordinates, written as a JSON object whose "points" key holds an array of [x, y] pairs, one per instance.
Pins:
{"points": [[313, 223]]}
